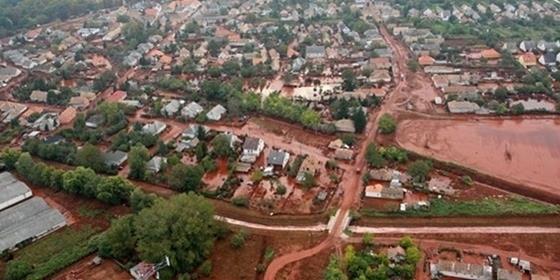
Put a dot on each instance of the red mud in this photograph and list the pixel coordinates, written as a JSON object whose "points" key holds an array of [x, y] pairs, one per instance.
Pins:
{"points": [[523, 152]]}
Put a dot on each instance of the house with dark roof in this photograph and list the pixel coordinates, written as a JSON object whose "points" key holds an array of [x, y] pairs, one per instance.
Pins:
{"points": [[115, 159], [548, 59], [252, 148], [278, 158], [315, 52]]}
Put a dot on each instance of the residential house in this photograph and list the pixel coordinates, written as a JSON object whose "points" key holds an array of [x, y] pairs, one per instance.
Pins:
{"points": [[545, 46], [441, 185], [95, 121], [380, 76], [316, 94], [425, 60], [527, 46], [460, 270], [345, 125], [277, 158], [10, 111], [380, 191], [79, 102], [343, 154], [462, 107], [191, 110], [440, 81], [186, 144], [67, 116], [38, 96], [154, 128], [216, 113], [548, 59], [193, 130], [115, 159], [315, 52], [8, 73], [490, 54], [252, 148], [380, 63], [171, 108], [47, 122], [156, 164], [528, 59], [116, 96], [308, 166]]}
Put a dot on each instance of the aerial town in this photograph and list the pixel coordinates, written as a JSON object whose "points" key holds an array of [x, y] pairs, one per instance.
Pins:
{"points": [[280, 139]]}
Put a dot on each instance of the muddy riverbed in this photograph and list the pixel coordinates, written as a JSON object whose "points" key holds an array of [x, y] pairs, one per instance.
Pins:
{"points": [[524, 151]]}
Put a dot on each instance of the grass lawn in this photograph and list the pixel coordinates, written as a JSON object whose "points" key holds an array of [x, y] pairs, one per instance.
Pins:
{"points": [[56, 251], [485, 207]]}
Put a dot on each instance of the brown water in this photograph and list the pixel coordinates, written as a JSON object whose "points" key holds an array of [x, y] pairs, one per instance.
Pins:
{"points": [[521, 151]]}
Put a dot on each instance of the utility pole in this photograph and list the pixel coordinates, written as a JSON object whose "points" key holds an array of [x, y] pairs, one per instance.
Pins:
{"points": [[155, 269]]}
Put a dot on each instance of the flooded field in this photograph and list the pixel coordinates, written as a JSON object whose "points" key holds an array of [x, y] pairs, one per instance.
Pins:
{"points": [[520, 151]]}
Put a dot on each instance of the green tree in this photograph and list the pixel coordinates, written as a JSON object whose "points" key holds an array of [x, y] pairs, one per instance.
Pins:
{"points": [[221, 146], [334, 270], [413, 255], [185, 178], [90, 156], [310, 118], [137, 158], [349, 82], [113, 190], [9, 157], [373, 157], [119, 241], [140, 200], [181, 228], [387, 124], [413, 65], [360, 121], [517, 109], [419, 170], [80, 181], [238, 240]]}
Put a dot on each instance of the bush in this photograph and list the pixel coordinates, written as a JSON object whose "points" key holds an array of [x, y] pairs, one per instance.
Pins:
{"points": [[240, 201], [238, 240], [206, 268], [280, 190], [419, 170], [17, 270], [387, 124], [467, 180]]}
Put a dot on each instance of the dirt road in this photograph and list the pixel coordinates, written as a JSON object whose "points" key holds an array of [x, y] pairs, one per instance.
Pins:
{"points": [[351, 181], [447, 230]]}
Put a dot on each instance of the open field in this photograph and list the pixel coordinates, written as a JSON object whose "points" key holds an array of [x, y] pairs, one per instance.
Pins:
{"points": [[484, 207], [525, 152]]}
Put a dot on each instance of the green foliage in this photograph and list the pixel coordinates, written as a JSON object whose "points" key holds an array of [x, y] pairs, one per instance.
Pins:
{"points": [[394, 154], [517, 109], [185, 178], [137, 158], [113, 190], [140, 200], [294, 167], [104, 80], [238, 240], [360, 120], [419, 170], [119, 240], [349, 82], [277, 106], [240, 201], [334, 270], [373, 157], [90, 156], [308, 180], [413, 65], [206, 268], [17, 270], [221, 146], [387, 124], [9, 157], [280, 190], [181, 228], [63, 152], [467, 180], [56, 251]]}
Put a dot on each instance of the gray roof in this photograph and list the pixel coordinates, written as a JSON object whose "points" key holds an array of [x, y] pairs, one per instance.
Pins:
{"points": [[156, 163], [315, 51], [115, 158], [27, 220], [192, 110], [216, 112], [11, 187], [461, 107], [276, 157], [251, 143]]}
